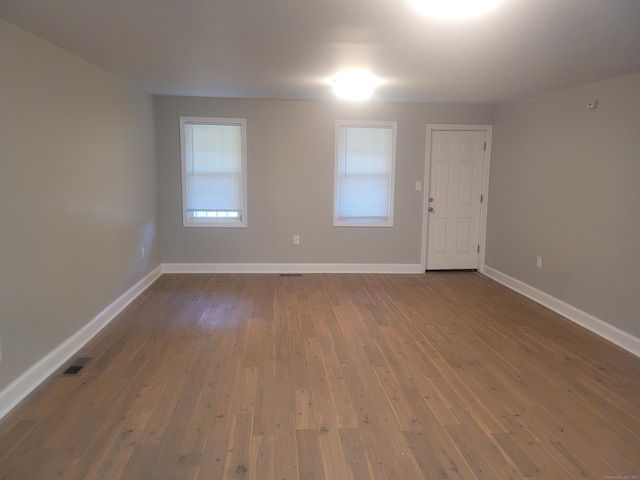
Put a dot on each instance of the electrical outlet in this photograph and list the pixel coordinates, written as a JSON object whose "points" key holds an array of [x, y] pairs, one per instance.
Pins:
{"points": [[539, 262], [296, 239]]}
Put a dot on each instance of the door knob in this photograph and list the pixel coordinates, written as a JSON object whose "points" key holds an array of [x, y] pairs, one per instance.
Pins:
{"points": [[431, 209]]}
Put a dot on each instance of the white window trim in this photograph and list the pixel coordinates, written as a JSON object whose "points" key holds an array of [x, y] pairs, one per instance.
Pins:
{"points": [[392, 181], [190, 222]]}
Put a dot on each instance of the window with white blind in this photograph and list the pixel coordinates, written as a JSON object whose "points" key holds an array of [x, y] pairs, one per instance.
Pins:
{"points": [[214, 172], [364, 174]]}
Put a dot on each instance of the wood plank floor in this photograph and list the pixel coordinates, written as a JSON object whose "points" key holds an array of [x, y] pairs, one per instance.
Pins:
{"points": [[435, 376]]}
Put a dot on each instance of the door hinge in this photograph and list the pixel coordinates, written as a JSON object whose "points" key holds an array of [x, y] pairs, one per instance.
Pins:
{"points": [[481, 198], [485, 146], [478, 248]]}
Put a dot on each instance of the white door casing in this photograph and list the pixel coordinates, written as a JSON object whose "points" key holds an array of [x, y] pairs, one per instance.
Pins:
{"points": [[456, 180]]}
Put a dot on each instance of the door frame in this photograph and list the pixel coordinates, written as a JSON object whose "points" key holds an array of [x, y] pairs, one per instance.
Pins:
{"points": [[482, 233]]}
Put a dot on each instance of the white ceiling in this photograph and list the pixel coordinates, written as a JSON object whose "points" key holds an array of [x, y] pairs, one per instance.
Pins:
{"points": [[286, 49]]}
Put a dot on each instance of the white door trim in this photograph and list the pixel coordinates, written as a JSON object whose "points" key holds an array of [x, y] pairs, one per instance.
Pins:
{"points": [[482, 234]]}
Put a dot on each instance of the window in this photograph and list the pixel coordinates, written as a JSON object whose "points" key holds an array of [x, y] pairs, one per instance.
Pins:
{"points": [[364, 174], [214, 173]]}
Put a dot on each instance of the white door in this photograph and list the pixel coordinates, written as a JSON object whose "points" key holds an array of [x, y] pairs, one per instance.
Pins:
{"points": [[455, 189]]}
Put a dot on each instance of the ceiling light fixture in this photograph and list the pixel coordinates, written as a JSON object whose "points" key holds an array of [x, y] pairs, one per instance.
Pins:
{"points": [[354, 84], [454, 9]]}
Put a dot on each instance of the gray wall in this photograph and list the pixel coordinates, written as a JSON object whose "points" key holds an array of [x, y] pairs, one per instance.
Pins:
{"points": [[290, 147], [565, 185], [78, 195]]}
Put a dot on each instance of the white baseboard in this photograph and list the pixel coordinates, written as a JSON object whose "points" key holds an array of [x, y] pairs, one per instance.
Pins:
{"points": [[621, 338], [29, 380], [291, 268]]}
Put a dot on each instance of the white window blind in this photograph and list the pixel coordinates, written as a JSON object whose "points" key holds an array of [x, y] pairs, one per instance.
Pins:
{"points": [[214, 173], [365, 172]]}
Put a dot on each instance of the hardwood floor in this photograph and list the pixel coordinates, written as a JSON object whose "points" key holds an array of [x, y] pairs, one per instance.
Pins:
{"points": [[435, 376]]}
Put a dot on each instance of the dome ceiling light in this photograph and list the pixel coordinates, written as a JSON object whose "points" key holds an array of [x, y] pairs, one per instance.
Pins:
{"points": [[454, 9], [354, 85]]}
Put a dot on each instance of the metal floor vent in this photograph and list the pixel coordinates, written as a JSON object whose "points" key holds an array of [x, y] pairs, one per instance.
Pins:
{"points": [[290, 274], [454, 270], [77, 365]]}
